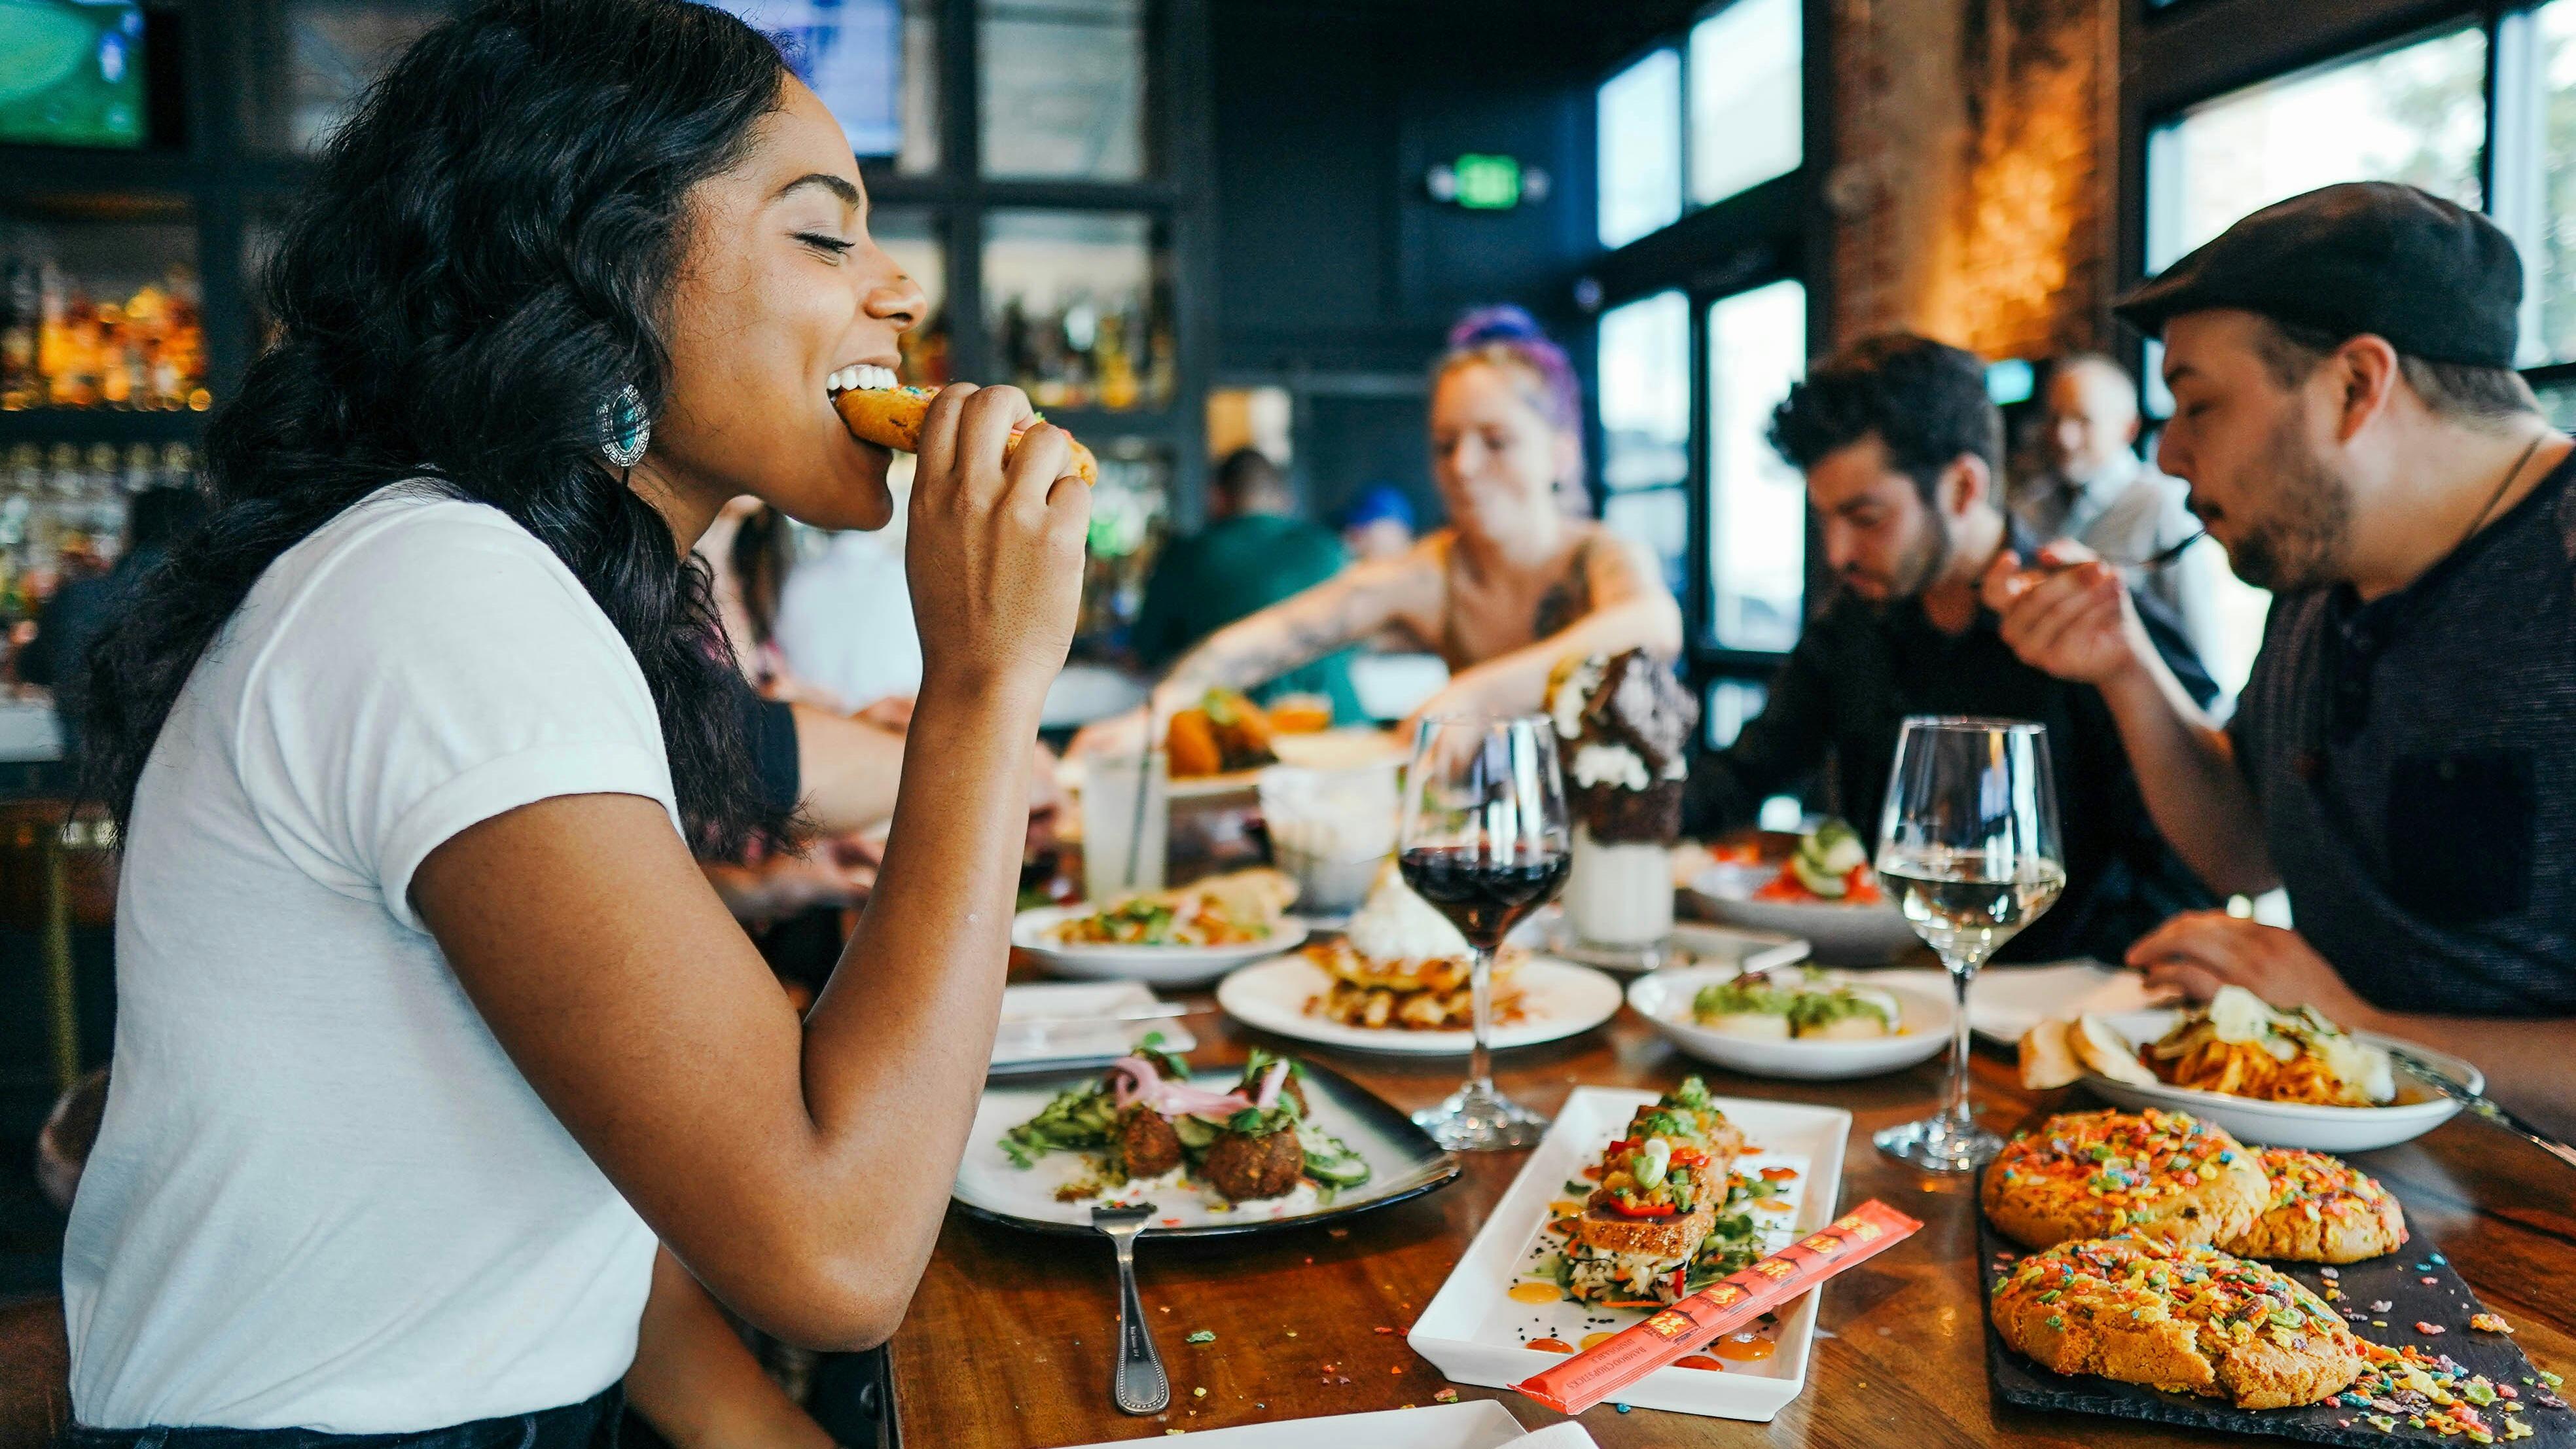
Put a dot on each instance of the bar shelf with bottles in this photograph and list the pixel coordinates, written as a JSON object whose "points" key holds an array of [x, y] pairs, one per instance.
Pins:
{"points": [[63, 509], [100, 315]]}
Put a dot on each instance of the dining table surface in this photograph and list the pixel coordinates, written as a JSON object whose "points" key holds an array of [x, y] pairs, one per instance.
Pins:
{"points": [[1011, 1337]]}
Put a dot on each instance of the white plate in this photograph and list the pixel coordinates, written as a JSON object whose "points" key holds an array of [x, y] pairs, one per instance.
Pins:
{"points": [[1479, 1424], [1841, 935], [1158, 965], [2006, 1001], [1066, 1043], [1473, 1328], [1347, 748], [1558, 999], [2291, 1124], [1403, 1163], [1692, 943], [1664, 998]]}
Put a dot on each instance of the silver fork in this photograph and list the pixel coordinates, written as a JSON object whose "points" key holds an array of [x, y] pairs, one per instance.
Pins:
{"points": [[1138, 1385], [2479, 1105]]}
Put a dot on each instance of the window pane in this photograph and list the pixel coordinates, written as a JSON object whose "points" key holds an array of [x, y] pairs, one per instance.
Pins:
{"points": [[1078, 307], [2413, 113], [1732, 703], [1640, 143], [1744, 97], [1064, 88], [307, 60], [1757, 347], [857, 55], [1645, 424]]}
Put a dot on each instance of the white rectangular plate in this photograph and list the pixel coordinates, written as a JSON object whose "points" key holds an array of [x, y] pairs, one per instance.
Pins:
{"points": [[1066, 1043], [1483, 1424], [1474, 1329]]}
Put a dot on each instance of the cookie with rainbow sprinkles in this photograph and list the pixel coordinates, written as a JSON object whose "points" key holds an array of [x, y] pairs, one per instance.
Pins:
{"points": [[2178, 1317], [2322, 1211], [2164, 1175]]}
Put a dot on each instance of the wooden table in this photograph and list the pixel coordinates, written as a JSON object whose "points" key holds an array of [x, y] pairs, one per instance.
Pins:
{"points": [[1011, 1336]]}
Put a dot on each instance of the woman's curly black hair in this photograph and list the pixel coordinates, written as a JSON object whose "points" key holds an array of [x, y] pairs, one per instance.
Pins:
{"points": [[487, 255]]}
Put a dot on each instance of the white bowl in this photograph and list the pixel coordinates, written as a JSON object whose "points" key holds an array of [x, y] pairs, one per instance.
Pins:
{"points": [[2290, 1124], [1841, 935], [1664, 998], [1154, 965]]}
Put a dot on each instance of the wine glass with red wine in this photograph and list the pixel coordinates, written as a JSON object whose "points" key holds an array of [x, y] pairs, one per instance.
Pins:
{"points": [[1486, 843]]}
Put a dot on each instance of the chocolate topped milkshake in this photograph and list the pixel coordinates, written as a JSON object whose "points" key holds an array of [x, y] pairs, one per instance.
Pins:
{"points": [[1623, 725]]}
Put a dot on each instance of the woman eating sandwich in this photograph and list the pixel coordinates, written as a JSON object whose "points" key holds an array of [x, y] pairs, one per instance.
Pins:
{"points": [[1510, 587], [428, 1025]]}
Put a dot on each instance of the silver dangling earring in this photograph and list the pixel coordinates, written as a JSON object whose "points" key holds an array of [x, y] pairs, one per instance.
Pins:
{"points": [[623, 428]]}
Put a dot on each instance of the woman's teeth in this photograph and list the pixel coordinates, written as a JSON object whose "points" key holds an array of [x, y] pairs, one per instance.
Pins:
{"points": [[854, 379]]}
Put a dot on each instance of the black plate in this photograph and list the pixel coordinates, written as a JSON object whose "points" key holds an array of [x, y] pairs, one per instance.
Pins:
{"points": [[2397, 1279], [1425, 1167]]}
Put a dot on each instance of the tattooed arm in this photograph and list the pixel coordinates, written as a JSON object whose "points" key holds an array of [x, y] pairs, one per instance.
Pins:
{"points": [[1342, 610], [1630, 609]]}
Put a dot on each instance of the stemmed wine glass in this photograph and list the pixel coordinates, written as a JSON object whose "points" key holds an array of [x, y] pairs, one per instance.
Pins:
{"points": [[1485, 842], [1968, 843]]}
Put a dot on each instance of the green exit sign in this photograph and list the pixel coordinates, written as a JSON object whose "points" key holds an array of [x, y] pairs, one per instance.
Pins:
{"points": [[1481, 182], [1488, 183]]}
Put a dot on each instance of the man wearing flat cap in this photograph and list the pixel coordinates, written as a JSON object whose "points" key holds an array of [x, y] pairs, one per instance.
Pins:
{"points": [[2403, 759]]}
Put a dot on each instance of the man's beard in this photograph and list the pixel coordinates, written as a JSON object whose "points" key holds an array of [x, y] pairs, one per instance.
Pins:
{"points": [[2299, 545], [1917, 568]]}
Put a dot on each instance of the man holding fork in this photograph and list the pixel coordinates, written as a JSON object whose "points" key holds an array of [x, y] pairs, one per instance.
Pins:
{"points": [[2403, 758]]}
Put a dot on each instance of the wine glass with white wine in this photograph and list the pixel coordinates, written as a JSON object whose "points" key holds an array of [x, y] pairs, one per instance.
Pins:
{"points": [[1968, 844]]}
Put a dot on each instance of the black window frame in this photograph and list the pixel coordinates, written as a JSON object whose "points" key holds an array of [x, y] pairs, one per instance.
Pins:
{"points": [[2179, 54], [1776, 230]]}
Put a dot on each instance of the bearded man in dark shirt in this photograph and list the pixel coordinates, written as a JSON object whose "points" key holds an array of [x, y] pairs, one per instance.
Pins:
{"points": [[1901, 448], [2403, 759]]}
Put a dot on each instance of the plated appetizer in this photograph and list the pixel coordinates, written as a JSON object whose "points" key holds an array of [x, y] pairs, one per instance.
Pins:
{"points": [[2236, 1046], [1401, 965], [1830, 866], [1243, 908], [1668, 1214], [2181, 1317], [1796, 1002], [1147, 1127]]}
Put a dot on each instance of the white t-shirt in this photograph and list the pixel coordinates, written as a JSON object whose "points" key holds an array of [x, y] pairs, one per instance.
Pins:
{"points": [[845, 621], [322, 1195]]}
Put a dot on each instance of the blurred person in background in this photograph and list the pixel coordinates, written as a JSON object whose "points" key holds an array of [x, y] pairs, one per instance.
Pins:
{"points": [[1377, 524], [1902, 452], [2097, 491], [1253, 553], [1510, 587], [873, 666], [81, 608]]}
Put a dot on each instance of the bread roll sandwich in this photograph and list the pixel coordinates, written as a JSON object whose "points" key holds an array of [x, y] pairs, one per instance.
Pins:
{"points": [[877, 410]]}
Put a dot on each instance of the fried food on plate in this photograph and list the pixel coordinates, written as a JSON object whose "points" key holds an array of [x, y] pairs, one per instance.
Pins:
{"points": [[2322, 1211]]}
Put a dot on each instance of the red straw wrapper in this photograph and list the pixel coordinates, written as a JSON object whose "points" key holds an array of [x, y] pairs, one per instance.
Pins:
{"points": [[1695, 1322]]}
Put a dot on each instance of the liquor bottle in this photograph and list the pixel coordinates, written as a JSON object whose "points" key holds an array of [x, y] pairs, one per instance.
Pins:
{"points": [[18, 317]]}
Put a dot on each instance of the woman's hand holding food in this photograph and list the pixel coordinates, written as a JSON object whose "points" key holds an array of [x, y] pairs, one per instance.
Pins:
{"points": [[995, 548]]}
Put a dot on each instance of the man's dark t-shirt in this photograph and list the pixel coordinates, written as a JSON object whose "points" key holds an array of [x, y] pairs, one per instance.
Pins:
{"points": [[1841, 700], [2415, 762]]}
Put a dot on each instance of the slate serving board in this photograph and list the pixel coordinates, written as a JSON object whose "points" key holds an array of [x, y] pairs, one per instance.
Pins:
{"points": [[2397, 1279]]}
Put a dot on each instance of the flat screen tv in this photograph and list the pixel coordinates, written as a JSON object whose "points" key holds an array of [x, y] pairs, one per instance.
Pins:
{"points": [[849, 51], [71, 73]]}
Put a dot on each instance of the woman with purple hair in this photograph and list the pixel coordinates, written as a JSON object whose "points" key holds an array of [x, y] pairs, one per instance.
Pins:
{"points": [[1510, 587]]}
